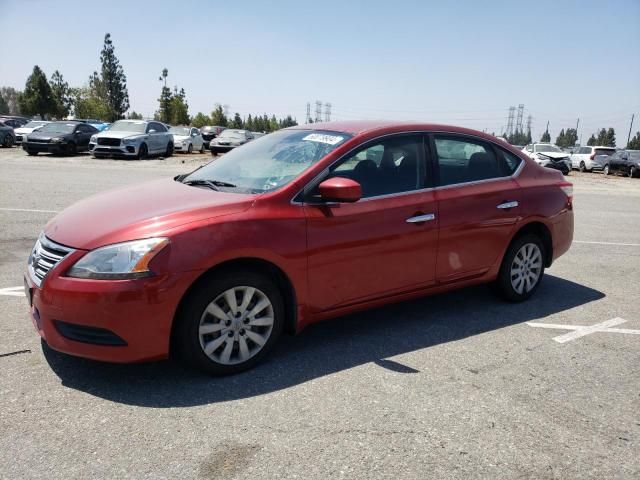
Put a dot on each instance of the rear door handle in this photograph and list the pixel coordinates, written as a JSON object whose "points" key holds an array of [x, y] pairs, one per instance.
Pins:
{"points": [[427, 217], [508, 205]]}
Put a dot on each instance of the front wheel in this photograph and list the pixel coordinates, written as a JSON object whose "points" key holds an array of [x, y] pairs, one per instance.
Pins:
{"points": [[522, 268], [8, 141], [31, 153], [230, 323], [605, 170], [632, 172], [169, 151], [143, 152]]}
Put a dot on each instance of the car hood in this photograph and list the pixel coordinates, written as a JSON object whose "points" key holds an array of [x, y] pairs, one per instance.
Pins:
{"points": [[554, 154], [23, 130], [139, 211], [181, 137], [46, 135], [118, 134]]}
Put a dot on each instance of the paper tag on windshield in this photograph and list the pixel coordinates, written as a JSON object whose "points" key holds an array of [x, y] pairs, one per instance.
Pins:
{"points": [[319, 137]]}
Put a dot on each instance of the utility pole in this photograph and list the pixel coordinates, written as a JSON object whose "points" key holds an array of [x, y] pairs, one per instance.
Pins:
{"points": [[630, 127], [577, 124]]}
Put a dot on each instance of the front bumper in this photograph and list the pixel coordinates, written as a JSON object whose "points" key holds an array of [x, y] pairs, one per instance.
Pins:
{"points": [[118, 321], [178, 147], [221, 148], [54, 148], [107, 151]]}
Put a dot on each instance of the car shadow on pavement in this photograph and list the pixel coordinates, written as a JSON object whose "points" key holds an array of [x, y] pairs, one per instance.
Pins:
{"points": [[324, 348]]}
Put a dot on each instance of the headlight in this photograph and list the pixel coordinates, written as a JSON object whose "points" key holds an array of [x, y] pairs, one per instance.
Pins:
{"points": [[119, 261], [130, 141], [93, 139], [57, 140]]}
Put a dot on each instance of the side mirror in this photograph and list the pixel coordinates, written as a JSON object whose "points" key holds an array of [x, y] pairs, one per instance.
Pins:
{"points": [[340, 189], [152, 131]]}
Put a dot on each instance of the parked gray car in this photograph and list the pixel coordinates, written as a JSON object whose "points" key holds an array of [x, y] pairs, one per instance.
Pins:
{"points": [[7, 137], [132, 139]]}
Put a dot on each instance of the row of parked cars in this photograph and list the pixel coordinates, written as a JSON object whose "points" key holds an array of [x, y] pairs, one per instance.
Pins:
{"points": [[123, 138], [585, 159]]}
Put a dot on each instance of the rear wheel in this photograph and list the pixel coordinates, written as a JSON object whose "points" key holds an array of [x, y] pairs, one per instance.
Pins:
{"points": [[522, 268], [8, 141], [202, 148], [583, 167], [632, 172], [190, 148], [32, 153], [230, 323]]}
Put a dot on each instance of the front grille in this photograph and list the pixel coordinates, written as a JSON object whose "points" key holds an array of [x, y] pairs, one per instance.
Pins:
{"points": [[40, 140], [208, 136], [45, 255], [111, 142], [85, 334]]}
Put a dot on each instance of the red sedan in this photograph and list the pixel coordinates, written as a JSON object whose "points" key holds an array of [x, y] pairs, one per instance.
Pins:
{"points": [[298, 226]]}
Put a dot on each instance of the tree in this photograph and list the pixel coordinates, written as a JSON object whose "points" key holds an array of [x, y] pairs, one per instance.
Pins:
{"points": [[200, 120], [4, 106], [218, 117], [133, 115], [592, 140], [114, 81], [236, 122], [634, 143], [87, 104], [610, 138], [545, 137], [37, 98], [560, 141], [179, 109], [61, 95], [11, 96], [164, 113]]}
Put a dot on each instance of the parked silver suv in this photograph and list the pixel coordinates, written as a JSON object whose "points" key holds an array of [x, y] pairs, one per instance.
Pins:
{"points": [[586, 159], [132, 139]]}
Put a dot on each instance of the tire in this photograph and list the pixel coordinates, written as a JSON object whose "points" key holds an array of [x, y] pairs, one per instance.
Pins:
{"points": [[605, 170], [632, 172], [210, 338], [190, 149], [169, 152], [8, 141], [583, 167], [202, 148], [511, 283], [31, 153], [143, 152], [72, 149]]}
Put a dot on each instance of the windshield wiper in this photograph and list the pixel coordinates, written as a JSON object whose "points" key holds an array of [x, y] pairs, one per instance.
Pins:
{"points": [[213, 184]]}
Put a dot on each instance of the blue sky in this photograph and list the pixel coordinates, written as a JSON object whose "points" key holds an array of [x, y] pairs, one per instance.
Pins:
{"points": [[459, 62]]}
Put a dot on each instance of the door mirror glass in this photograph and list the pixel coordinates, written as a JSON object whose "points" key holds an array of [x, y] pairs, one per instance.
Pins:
{"points": [[152, 130], [340, 189]]}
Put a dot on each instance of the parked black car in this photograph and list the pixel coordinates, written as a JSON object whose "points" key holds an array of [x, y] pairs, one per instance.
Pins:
{"points": [[559, 164], [66, 137], [228, 140], [625, 162], [209, 133], [7, 137]]}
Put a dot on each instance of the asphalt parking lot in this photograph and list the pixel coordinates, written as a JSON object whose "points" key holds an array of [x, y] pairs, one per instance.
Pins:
{"points": [[460, 385]]}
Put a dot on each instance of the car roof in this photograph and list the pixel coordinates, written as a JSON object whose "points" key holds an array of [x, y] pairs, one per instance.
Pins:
{"points": [[358, 127]]}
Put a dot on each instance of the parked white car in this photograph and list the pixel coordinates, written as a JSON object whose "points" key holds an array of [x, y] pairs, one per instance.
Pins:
{"points": [[132, 139], [584, 158], [187, 139], [545, 153], [32, 126]]}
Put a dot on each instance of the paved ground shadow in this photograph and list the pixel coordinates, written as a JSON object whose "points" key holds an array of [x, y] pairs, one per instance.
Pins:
{"points": [[324, 348]]}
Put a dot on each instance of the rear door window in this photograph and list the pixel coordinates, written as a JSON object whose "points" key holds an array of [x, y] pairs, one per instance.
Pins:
{"points": [[464, 160]]}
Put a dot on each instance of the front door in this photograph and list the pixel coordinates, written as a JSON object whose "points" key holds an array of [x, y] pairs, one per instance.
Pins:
{"points": [[478, 203], [386, 242]]}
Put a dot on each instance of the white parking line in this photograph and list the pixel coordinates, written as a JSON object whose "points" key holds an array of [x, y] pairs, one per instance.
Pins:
{"points": [[28, 210], [581, 331], [608, 243], [12, 291]]}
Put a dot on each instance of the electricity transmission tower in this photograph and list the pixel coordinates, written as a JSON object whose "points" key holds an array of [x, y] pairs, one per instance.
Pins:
{"points": [[512, 112], [327, 112], [318, 111], [519, 120], [308, 113]]}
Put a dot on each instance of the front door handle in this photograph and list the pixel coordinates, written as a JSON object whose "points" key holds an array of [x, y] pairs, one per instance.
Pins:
{"points": [[427, 217], [508, 205]]}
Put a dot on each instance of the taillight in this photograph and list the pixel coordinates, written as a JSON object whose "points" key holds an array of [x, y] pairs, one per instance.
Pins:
{"points": [[567, 188], [593, 155]]}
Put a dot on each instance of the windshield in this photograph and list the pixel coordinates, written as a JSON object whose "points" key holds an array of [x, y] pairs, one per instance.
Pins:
{"points": [[180, 130], [547, 148], [58, 127], [635, 155], [232, 134], [128, 126], [34, 124], [270, 161], [605, 151]]}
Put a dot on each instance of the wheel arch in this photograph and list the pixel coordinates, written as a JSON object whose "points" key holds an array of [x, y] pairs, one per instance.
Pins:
{"points": [[257, 265], [539, 229]]}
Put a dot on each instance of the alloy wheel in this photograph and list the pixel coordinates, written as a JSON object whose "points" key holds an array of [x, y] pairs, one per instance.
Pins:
{"points": [[236, 325], [606, 170], [526, 268], [632, 172]]}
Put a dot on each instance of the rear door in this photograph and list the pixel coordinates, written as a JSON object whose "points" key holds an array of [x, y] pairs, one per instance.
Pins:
{"points": [[478, 204], [385, 243]]}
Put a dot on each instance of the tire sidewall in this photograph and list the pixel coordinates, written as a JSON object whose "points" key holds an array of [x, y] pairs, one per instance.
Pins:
{"points": [[186, 329], [504, 276]]}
